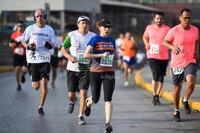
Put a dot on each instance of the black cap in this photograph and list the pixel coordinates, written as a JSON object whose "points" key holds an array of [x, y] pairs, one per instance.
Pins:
{"points": [[105, 23]]}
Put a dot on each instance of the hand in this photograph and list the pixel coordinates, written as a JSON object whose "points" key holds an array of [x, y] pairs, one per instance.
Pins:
{"points": [[31, 47], [73, 60], [147, 46], [176, 50], [106, 54]]}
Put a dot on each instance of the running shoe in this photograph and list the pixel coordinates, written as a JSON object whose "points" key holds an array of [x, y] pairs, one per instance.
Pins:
{"points": [[19, 88], [23, 79], [157, 100], [87, 109], [177, 117], [81, 121], [108, 128], [52, 85], [186, 107], [126, 83], [70, 107], [40, 111], [154, 101]]}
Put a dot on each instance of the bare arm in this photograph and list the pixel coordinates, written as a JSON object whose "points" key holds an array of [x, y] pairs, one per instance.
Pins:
{"points": [[146, 42], [168, 45], [24, 44], [67, 55], [89, 55]]}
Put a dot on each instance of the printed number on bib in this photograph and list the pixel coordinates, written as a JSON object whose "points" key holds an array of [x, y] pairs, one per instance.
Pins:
{"points": [[126, 58], [44, 56], [177, 71], [19, 51], [81, 58], [154, 49], [107, 61]]}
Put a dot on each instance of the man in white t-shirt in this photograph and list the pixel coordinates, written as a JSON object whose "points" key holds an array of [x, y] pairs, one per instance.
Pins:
{"points": [[77, 67], [38, 39]]}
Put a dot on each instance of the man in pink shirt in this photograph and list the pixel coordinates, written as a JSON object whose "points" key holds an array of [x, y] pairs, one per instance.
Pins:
{"points": [[157, 55], [183, 41]]}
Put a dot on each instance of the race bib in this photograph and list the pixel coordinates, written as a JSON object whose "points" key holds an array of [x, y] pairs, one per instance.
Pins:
{"points": [[19, 51], [44, 56], [107, 61], [82, 60], [126, 58], [154, 49], [177, 71]]}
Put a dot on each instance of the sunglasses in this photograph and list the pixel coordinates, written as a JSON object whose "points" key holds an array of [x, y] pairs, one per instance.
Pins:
{"points": [[20, 25]]}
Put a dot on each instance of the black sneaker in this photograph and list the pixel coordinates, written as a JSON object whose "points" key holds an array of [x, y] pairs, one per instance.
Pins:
{"points": [[19, 88], [154, 102], [157, 100], [186, 107], [70, 107], [40, 111], [87, 109], [81, 121], [177, 117], [23, 79], [108, 128]]}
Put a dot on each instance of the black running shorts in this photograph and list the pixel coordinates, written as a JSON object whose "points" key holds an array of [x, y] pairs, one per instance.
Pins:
{"points": [[39, 71], [54, 61], [77, 80], [189, 69], [19, 60], [108, 80], [158, 67]]}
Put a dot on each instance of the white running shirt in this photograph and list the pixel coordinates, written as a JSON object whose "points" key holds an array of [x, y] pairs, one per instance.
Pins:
{"points": [[77, 43], [34, 34]]}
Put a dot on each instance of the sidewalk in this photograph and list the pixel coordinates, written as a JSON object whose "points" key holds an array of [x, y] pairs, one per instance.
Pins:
{"points": [[143, 79]]}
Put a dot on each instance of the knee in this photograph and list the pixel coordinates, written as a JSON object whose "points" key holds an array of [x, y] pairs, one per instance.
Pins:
{"points": [[161, 79], [36, 87], [156, 77], [95, 101]]}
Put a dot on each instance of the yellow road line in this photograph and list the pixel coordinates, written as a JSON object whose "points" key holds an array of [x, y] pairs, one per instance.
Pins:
{"points": [[164, 93], [6, 68]]}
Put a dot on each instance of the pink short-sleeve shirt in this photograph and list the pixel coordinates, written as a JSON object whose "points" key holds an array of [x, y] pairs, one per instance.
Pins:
{"points": [[185, 40], [156, 36]]}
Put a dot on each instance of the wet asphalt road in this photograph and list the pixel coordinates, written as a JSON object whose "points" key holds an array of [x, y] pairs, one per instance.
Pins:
{"points": [[133, 111]]}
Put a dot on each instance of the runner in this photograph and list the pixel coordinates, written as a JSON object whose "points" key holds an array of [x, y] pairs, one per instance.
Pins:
{"points": [[62, 61], [129, 47], [77, 67], [101, 50], [38, 39], [19, 57], [157, 55], [54, 59], [183, 41], [118, 42]]}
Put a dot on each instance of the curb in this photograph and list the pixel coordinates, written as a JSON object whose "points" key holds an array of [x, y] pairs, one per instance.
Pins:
{"points": [[194, 105], [6, 68]]}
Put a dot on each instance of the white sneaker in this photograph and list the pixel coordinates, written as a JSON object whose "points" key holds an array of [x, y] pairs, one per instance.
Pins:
{"points": [[126, 83]]}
